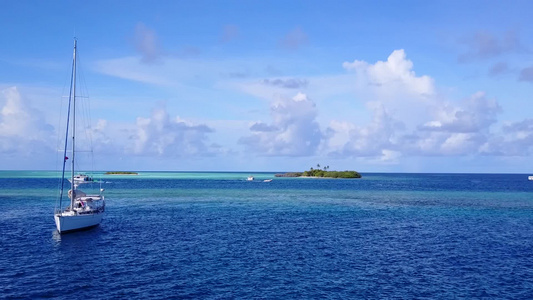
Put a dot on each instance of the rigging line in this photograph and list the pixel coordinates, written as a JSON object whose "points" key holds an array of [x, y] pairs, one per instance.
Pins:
{"points": [[64, 102], [88, 110], [82, 90], [72, 79], [57, 156], [77, 151], [85, 108], [58, 143]]}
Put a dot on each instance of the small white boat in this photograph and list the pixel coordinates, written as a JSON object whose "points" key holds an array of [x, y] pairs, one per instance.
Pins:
{"points": [[81, 179], [250, 178], [84, 211], [530, 178], [267, 180]]}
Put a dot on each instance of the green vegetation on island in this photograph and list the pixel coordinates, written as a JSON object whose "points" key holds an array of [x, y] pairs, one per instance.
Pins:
{"points": [[121, 173], [323, 173]]}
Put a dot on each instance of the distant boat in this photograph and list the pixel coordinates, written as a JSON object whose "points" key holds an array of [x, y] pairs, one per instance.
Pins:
{"points": [[267, 180], [84, 211], [250, 178], [530, 178], [81, 178]]}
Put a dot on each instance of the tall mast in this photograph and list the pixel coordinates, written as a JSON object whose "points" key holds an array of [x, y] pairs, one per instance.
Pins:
{"points": [[72, 185]]}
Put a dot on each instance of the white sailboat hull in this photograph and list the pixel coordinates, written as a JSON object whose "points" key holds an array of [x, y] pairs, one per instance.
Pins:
{"points": [[66, 222]]}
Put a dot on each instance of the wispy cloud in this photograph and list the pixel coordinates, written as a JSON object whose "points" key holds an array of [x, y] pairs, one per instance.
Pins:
{"points": [[147, 43], [131, 69], [230, 32], [294, 39], [288, 83], [483, 45], [526, 74], [499, 69]]}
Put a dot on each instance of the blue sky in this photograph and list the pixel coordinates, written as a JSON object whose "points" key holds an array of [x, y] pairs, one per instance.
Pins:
{"points": [[374, 86]]}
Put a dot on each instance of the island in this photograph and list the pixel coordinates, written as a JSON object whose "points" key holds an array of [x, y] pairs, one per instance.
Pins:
{"points": [[121, 173], [321, 173]]}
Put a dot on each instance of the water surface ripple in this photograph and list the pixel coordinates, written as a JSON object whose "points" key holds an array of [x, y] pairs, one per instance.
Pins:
{"points": [[392, 236]]}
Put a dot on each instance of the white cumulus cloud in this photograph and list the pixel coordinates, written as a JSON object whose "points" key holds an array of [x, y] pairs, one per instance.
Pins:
{"points": [[23, 128], [378, 138], [515, 139], [410, 118], [164, 136], [477, 114], [294, 130], [395, 74]]}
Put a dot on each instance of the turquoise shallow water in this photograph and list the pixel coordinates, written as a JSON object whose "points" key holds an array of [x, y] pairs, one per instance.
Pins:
{"points": [[215, 235]]}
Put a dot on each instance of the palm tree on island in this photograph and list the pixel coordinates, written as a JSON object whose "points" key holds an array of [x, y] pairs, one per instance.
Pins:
{"points": [[322, 173]]}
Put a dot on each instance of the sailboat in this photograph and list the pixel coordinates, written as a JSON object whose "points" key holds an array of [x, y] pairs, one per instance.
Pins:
{"points": [[83, 211]]}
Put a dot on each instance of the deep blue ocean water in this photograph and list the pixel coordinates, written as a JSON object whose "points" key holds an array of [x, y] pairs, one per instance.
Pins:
{"points": [[217, 236]]}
